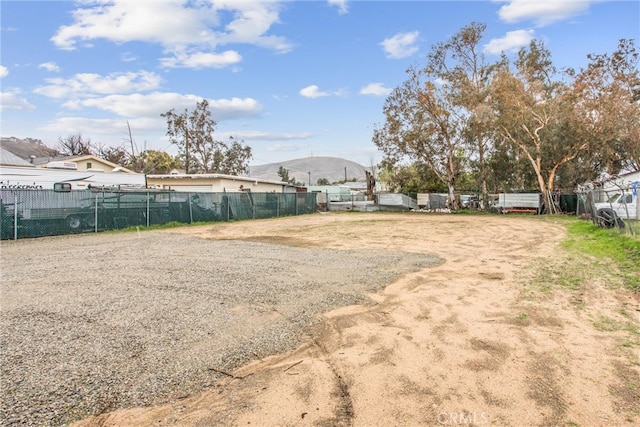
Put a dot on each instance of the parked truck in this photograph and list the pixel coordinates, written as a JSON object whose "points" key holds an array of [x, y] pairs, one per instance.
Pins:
{"points": [[621, 207]]}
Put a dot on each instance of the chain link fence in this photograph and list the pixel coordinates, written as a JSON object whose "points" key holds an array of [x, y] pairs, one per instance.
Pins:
{"points": [[35, 213], [613, 207]]}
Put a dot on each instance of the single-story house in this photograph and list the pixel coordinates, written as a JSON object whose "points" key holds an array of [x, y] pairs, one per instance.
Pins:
{"points": [[87, 162], [624, 182], [217, 183]]}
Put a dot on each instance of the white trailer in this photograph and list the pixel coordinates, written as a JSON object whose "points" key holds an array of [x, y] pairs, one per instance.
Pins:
{"points": [[519, 202], [32, 178], [64, 204]]}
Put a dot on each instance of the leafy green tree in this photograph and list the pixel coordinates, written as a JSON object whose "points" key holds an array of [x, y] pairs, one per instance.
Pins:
{"points": [[531, 104], [323, 181], [155, 162], [509, 169], [192, 132], [411, 179], [605, 102], [232, 158], [283, 173]]}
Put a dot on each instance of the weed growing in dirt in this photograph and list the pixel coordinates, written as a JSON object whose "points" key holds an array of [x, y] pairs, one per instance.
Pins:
{"points": [[632, 332], [606, 324]]}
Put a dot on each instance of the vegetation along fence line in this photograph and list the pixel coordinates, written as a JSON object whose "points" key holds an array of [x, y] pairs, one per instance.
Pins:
{"points": [[35, 213]]}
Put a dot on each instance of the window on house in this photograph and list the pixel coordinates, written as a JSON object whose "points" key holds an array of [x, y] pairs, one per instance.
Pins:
{"points": [[88, 165]]}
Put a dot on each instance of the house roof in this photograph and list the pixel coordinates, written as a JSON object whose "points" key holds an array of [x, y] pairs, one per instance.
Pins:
{"points": [[7, 158], [26, 148], [41, 161]]}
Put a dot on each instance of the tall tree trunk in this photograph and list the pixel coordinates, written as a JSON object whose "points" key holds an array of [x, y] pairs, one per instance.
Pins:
{"points": [[483, 173]]}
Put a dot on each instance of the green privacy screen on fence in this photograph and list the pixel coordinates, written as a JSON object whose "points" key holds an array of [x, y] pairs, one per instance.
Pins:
{"points": [[34, 213]]}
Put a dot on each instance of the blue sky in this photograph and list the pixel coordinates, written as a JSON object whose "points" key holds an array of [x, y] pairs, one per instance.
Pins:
{"points": [[290, 78]]}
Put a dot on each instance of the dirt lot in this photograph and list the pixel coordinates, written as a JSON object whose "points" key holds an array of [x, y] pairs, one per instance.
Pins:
{"points": [[484, 338]]}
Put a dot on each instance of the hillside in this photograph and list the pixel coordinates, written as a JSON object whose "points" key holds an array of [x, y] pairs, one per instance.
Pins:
{"points": [[27, 147], [331, 168]]}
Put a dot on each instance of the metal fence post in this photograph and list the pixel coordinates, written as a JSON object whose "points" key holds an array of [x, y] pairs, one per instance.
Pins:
{"points": [[278, 206], [190, 209], [95, 216], [147, 209], [15, 216]]}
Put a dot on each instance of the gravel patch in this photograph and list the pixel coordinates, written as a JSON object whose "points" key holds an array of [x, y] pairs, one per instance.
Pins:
{"points": [[94, 323]]}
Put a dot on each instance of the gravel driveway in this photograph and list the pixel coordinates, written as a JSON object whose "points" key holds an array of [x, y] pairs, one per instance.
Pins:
{"points": [[97, 322]]}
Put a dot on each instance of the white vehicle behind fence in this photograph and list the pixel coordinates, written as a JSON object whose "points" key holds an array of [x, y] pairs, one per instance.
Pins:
{"points": [[621, 207]]}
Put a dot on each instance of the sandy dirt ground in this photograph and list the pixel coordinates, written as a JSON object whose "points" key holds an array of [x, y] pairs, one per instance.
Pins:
{"points": [[473, 341]]}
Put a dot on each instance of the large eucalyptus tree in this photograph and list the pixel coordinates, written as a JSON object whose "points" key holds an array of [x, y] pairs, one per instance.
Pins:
{"points": [[422, 124], [461, 64], [192, 132]]}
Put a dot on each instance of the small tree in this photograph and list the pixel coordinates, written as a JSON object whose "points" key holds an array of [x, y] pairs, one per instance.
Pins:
{"points": [[152, 161], [117, 155], [75, 145], [283, 173]]}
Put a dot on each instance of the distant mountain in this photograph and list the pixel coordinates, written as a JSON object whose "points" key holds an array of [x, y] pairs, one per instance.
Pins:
{"points": [[333, 169], [27, 147]]}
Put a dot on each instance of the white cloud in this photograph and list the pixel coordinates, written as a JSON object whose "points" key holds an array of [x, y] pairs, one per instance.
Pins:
{"points": [[511, 42], [128, 57], [88, 84], [180, 27], [11, 100], [401, 45], [154, 104], [312, 91], [50, 66], [202, 60], [102, 127], [375, 89], [269, 136], [286, 147], [542, 12], [341, 5], [4, 71]]}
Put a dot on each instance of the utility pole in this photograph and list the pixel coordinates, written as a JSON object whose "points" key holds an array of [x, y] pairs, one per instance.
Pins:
{"points": [[309, 177]]}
